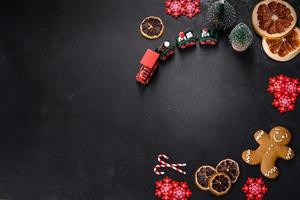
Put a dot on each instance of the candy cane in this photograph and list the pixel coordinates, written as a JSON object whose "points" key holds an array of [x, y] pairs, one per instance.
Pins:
{"points": [[165, 165]]}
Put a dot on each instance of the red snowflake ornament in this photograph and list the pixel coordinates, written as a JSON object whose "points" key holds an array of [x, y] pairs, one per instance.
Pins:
{"points": [[283, 83], [167, 189], [192, 8], [284, 103], [177, 8], [254, 189], [285, 90]]}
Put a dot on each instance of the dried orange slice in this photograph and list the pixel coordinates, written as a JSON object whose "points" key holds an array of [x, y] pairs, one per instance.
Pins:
{"points": [[229, 167], [219, 184], [202, 175], [273, 18], [152, 27], [285, 48]]}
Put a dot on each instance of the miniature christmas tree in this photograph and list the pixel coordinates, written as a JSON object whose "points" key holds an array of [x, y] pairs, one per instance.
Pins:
{"points": [[221, 14], [241, 37]]}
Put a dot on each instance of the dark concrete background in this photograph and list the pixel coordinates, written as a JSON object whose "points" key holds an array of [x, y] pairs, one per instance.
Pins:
{"points": [[74, 124]]}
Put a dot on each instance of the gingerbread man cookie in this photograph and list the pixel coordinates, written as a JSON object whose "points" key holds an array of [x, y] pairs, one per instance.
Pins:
{"points": [[271, 147]]}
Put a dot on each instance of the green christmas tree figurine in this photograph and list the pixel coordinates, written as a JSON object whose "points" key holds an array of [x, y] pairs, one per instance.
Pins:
{"points": [[221, 15], [241, 37]]}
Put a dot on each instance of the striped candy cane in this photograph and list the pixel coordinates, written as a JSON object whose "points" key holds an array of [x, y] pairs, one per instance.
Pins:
{"points": [[165, 165]]}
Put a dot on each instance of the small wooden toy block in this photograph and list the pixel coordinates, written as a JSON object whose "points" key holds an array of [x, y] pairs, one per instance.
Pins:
{"points": [[209, 37], [166, 49], [186, 39], [149, 63]]}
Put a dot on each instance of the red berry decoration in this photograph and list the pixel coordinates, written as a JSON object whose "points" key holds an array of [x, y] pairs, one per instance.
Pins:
{"points": [[254, 189], [285, 90], [167, 189], [177, 8]]}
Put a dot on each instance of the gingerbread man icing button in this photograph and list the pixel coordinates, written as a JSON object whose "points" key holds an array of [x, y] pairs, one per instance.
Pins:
{"points": [[271, 147]]}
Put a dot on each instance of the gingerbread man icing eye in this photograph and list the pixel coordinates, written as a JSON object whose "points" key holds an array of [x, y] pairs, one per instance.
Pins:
{"points": [[277, 137]]}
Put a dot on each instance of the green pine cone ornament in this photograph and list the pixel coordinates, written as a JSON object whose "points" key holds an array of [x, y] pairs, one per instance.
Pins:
{"points": [[241, 37], [221, 15]]}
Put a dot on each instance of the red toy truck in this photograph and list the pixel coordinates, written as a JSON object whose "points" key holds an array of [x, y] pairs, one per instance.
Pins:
{"points": [[149, 64]]}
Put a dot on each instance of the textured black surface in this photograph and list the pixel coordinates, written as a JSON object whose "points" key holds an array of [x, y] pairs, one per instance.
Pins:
{"points": [[74, 124]]}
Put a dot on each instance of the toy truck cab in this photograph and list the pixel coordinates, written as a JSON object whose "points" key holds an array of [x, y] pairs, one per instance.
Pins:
{"points": [[149, 63], [165, 50], [186, 39], [208, 37]]}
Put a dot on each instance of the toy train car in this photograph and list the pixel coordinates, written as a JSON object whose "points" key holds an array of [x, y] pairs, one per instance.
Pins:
{"points": [[149, 64], [186, 39], [166, 49], [151, 58], [208, 37]]}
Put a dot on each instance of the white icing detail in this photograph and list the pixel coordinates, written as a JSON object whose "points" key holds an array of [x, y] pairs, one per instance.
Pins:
{"points": [[277, 140], [269, 149], [271, 171], [286, 135], [260, 134], [248, 156], [289, 154]]}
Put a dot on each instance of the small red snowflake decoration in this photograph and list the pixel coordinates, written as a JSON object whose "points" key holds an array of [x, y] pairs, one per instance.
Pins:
{"points": [[284, 103], [167, 189], [177, 8], [285, 90], [192, 8], [254, 189]]}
